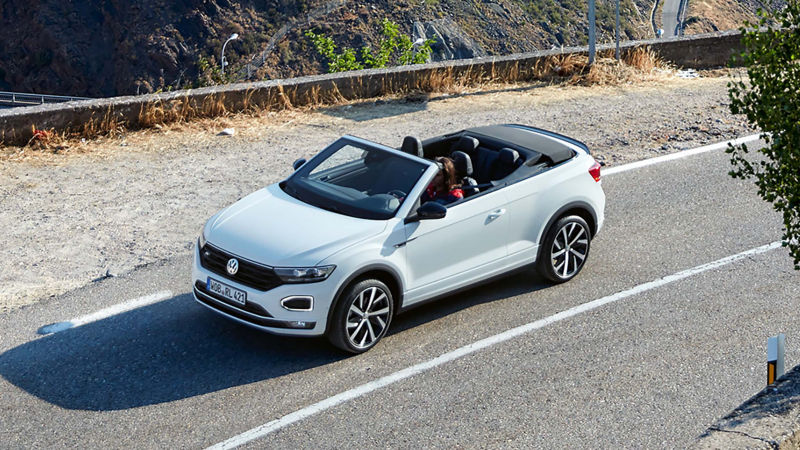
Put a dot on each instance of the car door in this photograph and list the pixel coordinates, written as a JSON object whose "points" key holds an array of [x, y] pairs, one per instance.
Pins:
{"points": [[460, 247]]}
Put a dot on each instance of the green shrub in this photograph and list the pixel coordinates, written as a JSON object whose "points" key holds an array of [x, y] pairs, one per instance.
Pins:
{"points": [[392, 46], [771, 101]]}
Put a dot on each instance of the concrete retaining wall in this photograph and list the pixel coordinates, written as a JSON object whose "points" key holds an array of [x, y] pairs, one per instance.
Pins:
{"points": [[17, 125]]}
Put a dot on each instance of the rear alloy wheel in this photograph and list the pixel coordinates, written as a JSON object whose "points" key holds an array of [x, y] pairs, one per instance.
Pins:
{"points": [[565, 249], [362, 317]]}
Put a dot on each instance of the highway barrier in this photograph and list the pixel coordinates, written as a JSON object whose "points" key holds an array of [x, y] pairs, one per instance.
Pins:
{"points": [[18, 125]]}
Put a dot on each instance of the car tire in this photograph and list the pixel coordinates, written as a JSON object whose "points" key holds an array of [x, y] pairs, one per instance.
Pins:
{"points": [[565, 249], [361, 316]]}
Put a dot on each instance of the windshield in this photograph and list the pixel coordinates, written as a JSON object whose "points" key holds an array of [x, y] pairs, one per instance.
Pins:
{"points": [[356, 179]]}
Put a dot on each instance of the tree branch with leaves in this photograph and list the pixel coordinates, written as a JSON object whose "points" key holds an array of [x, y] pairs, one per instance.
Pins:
{"points": [[770, 99]]}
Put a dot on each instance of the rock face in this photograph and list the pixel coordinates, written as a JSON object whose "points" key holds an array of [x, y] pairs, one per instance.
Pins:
{"points": [[100, 48], [114, 47], [451, 41]]}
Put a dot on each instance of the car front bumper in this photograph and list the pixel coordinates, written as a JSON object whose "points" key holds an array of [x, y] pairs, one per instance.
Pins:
{"points": [[264, 310]]}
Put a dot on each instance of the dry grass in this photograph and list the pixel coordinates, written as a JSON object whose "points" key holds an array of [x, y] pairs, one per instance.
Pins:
{"points": [[637, 64]]}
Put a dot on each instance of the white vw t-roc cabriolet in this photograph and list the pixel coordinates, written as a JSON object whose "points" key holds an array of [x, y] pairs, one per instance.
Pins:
{"points": [[346, 242]]}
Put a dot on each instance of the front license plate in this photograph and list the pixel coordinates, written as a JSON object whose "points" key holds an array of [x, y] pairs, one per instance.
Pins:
{"points": [[229, 292]]}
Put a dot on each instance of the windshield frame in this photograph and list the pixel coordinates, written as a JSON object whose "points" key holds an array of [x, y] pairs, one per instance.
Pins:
{"points": [[313, 198]]}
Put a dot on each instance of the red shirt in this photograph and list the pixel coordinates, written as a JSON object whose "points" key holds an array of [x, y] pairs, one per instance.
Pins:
{"points": [[441, 197]]}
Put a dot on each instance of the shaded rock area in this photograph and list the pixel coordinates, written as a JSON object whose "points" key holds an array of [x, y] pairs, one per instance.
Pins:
{"points": [[90, 48], [451, 41]]}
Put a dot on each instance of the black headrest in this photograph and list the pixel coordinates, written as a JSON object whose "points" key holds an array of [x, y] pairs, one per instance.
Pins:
{"points": [[412, 145], [466, 144], [463, 164], [508, 156]]}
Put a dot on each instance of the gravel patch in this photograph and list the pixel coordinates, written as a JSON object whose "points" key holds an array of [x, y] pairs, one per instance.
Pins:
{"points": [[103, 208]]}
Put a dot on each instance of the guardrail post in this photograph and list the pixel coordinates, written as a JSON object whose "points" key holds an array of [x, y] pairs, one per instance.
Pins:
{"points": [[775, 351], [13, 99]]}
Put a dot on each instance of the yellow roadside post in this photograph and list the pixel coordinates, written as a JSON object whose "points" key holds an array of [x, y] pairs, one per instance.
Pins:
{"points": [[775, 350]]}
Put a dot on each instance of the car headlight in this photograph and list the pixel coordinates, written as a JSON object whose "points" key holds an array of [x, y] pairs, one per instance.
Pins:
{"points": [[304, 274], [201, 241]]}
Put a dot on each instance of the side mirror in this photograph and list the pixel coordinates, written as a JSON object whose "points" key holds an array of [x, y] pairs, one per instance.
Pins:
{"points": [[299, 163], [428, 211]]}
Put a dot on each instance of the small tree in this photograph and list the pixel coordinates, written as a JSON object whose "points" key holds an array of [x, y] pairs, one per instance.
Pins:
{"points": [[771, 101], [337, 62], [391, 43]]}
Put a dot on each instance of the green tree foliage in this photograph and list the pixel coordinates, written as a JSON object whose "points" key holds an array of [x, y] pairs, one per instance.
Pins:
{"points": [[771, 101], [393, 46], [337, 62]]}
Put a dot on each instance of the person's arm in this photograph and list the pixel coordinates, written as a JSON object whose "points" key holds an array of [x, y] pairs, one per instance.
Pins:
{"points": [[455, 195]]}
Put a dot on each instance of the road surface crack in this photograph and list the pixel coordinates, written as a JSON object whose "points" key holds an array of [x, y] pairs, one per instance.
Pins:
{"points": [[774, 445]]}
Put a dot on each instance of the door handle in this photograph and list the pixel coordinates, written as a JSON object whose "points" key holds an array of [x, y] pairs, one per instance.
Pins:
{"points": [[497, 213]]}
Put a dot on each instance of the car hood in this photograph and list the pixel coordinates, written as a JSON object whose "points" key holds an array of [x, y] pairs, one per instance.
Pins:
{"points": [[273, 228]]}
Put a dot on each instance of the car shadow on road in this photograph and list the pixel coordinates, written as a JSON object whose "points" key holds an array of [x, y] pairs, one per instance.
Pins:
{"points": [[176, 349], [523, 282], [159, 353]]}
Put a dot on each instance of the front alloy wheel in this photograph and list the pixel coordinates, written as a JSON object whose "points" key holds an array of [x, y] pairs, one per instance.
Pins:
{"points": [[565, 249], [362, 316]]}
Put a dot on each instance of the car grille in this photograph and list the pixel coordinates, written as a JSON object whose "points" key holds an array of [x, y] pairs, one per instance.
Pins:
{"points": [[252, 308], [249, 274]]}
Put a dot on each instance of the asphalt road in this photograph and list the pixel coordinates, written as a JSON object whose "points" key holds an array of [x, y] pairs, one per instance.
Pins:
{"points": [[652, 370], [670, 19]]}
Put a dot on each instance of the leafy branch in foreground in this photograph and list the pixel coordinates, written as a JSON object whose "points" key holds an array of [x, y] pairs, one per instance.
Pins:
{"points": [[771, 101], [393, 46]]}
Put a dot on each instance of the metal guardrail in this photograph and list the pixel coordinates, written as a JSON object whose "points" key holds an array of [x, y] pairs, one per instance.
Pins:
{"points": [[682, 16], [18, 99]]}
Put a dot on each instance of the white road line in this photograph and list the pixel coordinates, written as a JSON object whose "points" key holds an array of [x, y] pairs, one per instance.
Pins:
{"points": [[678, 155], [105, 313], [364, 389]]}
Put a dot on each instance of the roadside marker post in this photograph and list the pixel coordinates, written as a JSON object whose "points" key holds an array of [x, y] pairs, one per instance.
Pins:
{"points": [[616, 53], [591, 32], [775, 351]]}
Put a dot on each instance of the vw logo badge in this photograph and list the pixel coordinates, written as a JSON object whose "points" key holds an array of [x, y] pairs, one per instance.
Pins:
{"points": [[233, 266]]}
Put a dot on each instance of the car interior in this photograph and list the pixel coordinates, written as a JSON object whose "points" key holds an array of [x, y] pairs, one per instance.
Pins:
{"points": [[378, 182], [482, 162]]}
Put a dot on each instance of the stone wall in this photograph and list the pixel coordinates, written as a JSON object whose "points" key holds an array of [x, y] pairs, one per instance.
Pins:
{"points": [[17, 125]]}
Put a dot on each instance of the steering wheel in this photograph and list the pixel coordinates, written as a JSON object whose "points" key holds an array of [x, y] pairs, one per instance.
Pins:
{"points": [[400, 195]]}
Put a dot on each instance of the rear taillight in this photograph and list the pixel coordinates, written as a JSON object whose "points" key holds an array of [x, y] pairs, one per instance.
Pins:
{"points": [[594, 171]]}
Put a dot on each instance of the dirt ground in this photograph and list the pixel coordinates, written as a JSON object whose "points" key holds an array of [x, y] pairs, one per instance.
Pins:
{"points": [[102, 208]]}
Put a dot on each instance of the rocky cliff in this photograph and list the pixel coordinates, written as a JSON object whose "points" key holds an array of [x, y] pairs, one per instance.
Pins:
{"points": [[99, 48]]}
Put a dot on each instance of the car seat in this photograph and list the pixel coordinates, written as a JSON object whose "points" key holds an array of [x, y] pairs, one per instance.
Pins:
{"points": [[466, 144], [507, 162], [413, 146], [463, 164]]}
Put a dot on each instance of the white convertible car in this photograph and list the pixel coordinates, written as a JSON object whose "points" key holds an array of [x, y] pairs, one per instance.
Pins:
{"points": [[344, 244]]}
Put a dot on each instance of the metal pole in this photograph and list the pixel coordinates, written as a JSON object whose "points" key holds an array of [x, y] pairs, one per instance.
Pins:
{"points": [[222, 57], [617, 52], [591, 32]]}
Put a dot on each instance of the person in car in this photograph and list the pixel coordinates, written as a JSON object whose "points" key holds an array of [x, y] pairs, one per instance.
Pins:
{"points": [[444, 188]]}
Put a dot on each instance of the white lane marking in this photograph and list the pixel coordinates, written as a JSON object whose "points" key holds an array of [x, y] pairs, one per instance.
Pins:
{"points": [[364, 389], [678, 155], [105, 313]]}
